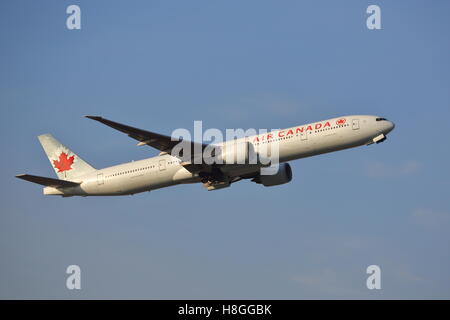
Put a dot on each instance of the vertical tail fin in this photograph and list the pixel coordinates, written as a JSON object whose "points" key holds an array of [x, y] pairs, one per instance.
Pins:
{"points": [[66, 164]]}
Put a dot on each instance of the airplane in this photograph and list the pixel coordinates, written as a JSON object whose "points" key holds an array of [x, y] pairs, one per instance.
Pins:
{"points": [[78, 178]]}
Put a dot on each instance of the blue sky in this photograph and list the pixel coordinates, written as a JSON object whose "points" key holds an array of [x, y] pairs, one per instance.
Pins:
{"points": [[160, 65]]}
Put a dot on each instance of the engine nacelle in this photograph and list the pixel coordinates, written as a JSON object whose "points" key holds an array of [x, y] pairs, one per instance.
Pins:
{"points": [[236, 153], [284, 175]]}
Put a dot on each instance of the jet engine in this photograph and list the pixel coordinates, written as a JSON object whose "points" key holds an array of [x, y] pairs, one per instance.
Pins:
{"points": [[236, 153], [284, 175]]}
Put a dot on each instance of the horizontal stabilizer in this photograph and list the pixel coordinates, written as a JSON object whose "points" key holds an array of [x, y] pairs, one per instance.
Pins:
{"points": [[49, 182]]}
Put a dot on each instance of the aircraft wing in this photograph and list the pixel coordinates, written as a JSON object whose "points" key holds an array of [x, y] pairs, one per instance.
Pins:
{"points": [[158, 141], [163, 143], [48, 182]]}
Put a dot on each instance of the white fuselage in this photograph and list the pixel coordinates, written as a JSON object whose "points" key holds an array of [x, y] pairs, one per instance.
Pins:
{"points": [[294, 143]]}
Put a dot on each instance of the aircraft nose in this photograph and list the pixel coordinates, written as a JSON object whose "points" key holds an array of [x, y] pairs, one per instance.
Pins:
{"points": [[389, 126]]}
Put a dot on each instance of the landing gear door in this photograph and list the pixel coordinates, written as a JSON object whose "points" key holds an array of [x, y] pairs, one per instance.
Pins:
{"points": [[355, 124]]}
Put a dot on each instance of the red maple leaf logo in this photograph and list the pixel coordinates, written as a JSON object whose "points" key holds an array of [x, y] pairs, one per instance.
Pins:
{"points": [[340, 121], [63, 163]]}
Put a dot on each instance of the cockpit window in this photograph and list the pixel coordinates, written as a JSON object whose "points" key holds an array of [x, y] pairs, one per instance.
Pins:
{"points": [[381, 119]]}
